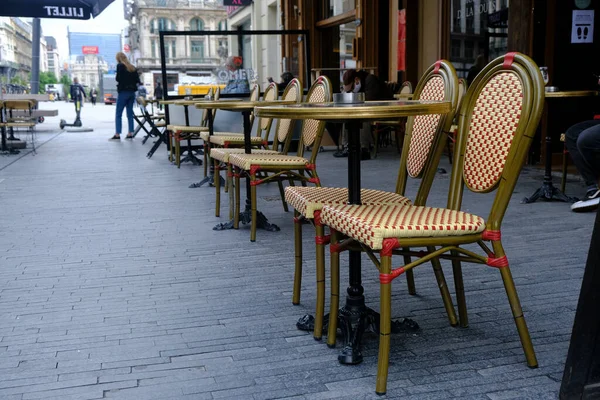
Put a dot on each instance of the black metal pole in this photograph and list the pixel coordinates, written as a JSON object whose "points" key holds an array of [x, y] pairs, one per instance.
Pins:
{"points": [[35, 57], [163, 73], [355, 289], [581, 377]]}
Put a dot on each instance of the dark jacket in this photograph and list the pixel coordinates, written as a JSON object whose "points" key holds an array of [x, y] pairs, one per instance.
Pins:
{"points": [[77, 92], [127, 81], [373, 87], [158, 92]]}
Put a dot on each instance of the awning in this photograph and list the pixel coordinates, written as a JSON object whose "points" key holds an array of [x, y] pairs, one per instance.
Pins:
{"points": [[67, 9]]}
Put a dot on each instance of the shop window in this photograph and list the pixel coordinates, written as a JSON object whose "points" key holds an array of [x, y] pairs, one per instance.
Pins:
{"points": [[333, 8], [479, 30]]}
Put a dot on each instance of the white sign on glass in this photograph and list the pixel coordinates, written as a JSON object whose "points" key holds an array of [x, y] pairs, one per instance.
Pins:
{"points": [[582, 30]]}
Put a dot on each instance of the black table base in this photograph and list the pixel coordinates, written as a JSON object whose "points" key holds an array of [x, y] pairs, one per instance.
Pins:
{"points": [[210, 179], [354, 319], [246, 218], [548, 192], [189, 157]]}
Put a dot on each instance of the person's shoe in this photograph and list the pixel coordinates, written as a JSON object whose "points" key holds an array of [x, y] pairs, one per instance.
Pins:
{"points": [[115, 137], [341, 153], [129, 137], [589, 203]]}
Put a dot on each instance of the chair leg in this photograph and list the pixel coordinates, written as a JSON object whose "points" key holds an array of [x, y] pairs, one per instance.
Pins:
{"points": [[217, 188], [385, 308], [229, 183], [282, 194], [297, 258], [443, 286], [460, 292], [410, 277], [236, 213], [515, 306], [171, 138], [253, 223], [178, 152], [334, 301], [205, 157], [320, 270]]}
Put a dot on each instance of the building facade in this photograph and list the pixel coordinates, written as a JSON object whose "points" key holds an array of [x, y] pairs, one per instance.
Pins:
{"points": [[105, 45], [187, 57], [15, 50], [53, 56], [88, 69]]}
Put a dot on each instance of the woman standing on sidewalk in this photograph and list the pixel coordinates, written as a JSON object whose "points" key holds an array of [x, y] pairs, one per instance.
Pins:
{"points": [[128, 80]]}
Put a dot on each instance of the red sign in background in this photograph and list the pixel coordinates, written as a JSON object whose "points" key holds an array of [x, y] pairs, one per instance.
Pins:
{"points": [[126, 48], [89, 49]]}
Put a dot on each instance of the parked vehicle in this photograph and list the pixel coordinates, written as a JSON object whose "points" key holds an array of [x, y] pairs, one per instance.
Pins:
{"points": [[109, 88]]}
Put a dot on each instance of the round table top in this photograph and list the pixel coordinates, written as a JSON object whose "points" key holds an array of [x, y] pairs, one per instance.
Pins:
{"points": [[572, 93], [369, 110], [239, 105]]}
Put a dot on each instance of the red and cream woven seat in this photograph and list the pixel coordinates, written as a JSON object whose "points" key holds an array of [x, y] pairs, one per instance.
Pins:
{"points": [[235, 140], [283, 167], [284, 128], [308, 200], [420, 157], [371, 224], [497, 122]]}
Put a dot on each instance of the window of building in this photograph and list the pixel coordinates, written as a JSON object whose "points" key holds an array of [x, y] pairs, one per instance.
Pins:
{"points": [[223, 25], [332, 8], [478, 30], [162, 24], [197, 47], [196, 24], [153, 47]]}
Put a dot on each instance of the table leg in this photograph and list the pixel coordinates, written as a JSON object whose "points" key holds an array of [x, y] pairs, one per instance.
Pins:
{"points": [[355, 317], [246, 215], [210, 179], [547, 191]]}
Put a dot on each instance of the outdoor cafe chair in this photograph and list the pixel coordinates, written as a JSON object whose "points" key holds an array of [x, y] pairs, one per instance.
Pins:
{"points": [[420, 157], [142, 120], [292, 92], [282, 166], [188, 133], [157, 127], [497, 123], [462, 89]]}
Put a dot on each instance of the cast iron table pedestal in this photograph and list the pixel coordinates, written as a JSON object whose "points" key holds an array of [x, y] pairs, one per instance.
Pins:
{"points": [[355, 318], [246, 215]]}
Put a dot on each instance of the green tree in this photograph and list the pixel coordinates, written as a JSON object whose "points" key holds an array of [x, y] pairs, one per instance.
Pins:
{"points": [[46, 78], [65, 80]]}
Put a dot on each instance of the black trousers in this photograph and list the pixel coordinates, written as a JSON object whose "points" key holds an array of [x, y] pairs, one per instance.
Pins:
{"points": [[583, 143]]}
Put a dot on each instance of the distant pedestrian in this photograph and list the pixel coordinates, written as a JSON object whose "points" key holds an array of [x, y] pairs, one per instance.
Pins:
{"points": [[93, 95], [142, 92], [158, 94], [128, 80], [77, 91]]}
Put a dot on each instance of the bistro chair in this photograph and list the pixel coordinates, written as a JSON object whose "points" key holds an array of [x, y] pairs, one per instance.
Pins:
{"points": [[425, 140], [282, 166], [187, 133], [462, 89], [497, 123], [293, 92], [157, 127], [141, 119], [382, 130]]}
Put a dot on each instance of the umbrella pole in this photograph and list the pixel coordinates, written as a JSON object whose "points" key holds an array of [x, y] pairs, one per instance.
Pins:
{"points": [[35, 57]]}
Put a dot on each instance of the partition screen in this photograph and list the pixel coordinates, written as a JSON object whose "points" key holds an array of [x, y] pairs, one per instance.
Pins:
{"points": [[193, 61]]}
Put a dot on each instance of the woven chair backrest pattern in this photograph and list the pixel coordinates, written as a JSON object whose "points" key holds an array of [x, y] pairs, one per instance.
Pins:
{"points": [[425, 127], [270, 94], [254, 96], [494, 120], [312, 129], [424, 134], [292, 92], [406, 88], [498, 119]]}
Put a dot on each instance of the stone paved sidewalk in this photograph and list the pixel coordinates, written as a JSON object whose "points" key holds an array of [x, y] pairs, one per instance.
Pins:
{"points": [[113, 285]]}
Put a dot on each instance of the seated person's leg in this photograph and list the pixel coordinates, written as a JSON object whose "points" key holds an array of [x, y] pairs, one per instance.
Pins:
{"points": [[583, 143]]}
